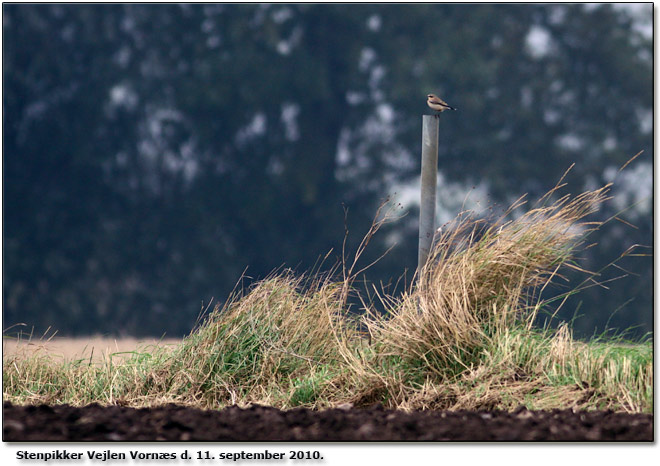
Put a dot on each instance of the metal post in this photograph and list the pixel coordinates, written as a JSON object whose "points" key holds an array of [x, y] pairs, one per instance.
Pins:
{"points": [[428, 189]]}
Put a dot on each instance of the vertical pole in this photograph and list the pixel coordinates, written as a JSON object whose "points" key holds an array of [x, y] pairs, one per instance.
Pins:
{"points": [[428, 188]]}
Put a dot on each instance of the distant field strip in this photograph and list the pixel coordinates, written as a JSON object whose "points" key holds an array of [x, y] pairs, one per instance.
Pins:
{"points": [[96, 348]]}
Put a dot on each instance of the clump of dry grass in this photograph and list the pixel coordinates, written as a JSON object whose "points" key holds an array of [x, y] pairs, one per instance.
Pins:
{"points": [[480, 280], [463, 337]]}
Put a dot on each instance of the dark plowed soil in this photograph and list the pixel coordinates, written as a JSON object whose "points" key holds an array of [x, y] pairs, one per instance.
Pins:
{"points": [[259, 423]]}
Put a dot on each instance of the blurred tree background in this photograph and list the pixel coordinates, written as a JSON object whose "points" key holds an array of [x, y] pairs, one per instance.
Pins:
{"points": [[152, 153]]}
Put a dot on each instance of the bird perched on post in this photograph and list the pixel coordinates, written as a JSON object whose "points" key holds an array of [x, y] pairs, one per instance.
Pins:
{"points": [[437, 104]]}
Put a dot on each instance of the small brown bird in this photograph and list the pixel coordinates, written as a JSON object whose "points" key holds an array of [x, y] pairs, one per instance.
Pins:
{"points": [[437, 104]]}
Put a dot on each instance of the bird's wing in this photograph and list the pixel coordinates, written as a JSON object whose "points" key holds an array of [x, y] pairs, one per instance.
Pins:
{"points": [[438, 100]]}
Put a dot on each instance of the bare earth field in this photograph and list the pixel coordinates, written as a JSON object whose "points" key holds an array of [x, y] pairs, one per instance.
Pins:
{"points": [[260, 423]]}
